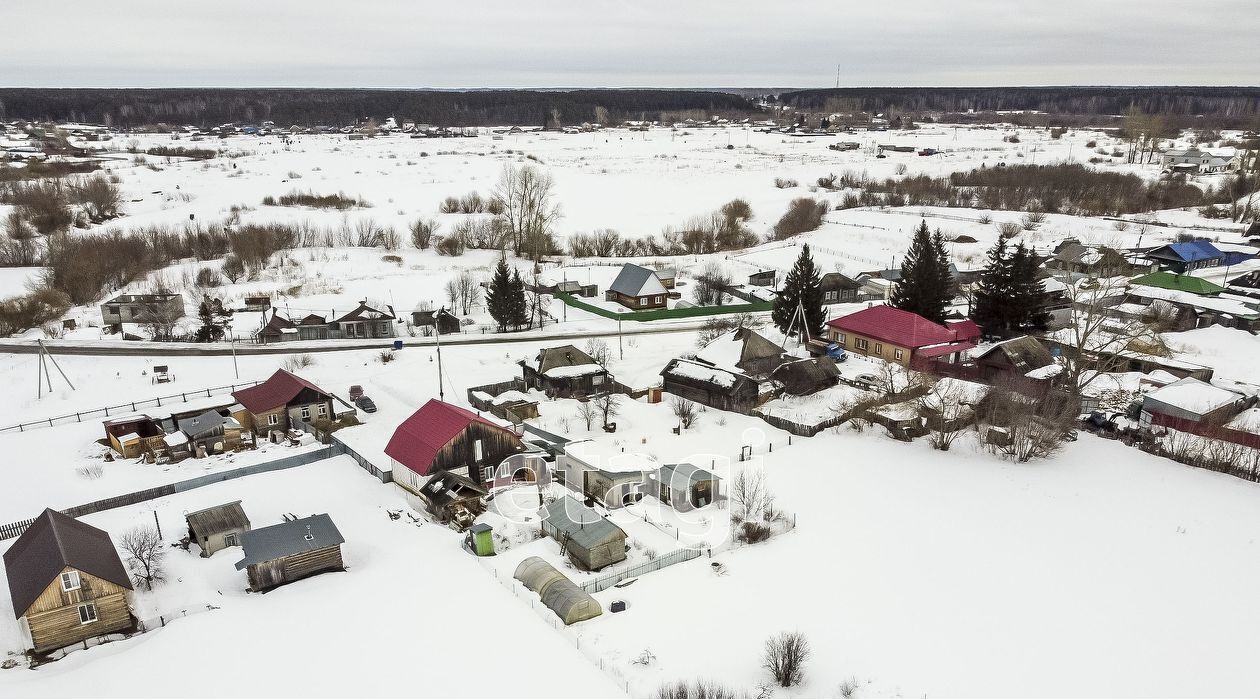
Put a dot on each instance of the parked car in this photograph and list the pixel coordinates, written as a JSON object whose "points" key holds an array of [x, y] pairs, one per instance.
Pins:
{"points": [[365, 404], [355, 392], [867, 380]]}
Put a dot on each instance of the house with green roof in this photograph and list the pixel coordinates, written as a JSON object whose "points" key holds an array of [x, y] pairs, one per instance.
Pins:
{"points": [[1178, 282]]}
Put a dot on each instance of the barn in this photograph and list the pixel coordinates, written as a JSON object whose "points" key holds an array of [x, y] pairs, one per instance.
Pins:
{"points": [[710, 385], [216, 528], [291, 550]]}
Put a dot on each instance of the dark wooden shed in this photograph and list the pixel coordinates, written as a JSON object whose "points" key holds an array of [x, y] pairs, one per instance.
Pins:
{"points": [[216, 528], [292, 550]]}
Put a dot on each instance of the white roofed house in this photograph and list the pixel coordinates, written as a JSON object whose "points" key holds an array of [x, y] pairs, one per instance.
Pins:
{"points": [[565, 372], [637, 288], [1200, 161], [1190, 402]]}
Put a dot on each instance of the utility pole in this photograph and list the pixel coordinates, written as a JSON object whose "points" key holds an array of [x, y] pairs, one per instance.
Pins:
{"points": [[437, 335], [235, 368], [621, 350], [43, 375]]}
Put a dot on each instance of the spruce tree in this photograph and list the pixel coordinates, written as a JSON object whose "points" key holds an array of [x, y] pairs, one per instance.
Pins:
{"points": [[214, 320], [518, 316], [925, 286], [993, 294], [499, 295], [802, 288], [1028, 292]]}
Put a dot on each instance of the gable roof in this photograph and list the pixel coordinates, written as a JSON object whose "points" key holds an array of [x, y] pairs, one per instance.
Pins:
{"points": [[682, 475], [804, 376], [1190, 251], [1178, 282], [417, 441], [895, 326], [53, 542], [220, 518], [276, 391], [288, 538], [730, 382], [563, 356], [366, 312], [736, 349], [204, 422], [634, 280], [1192, 395], [1024, 353], [584, 526]]}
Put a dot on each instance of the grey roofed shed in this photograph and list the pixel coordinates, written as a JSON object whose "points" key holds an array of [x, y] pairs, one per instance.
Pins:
{"points": [[591, 540], [288, 538], [216, 528], [201, 424], [634, 280], [558, 593]]}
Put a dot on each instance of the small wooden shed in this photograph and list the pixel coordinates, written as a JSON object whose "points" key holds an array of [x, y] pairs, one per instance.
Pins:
{"points": [[216, 528], [292, 550], [452, 499], [590, 540]]}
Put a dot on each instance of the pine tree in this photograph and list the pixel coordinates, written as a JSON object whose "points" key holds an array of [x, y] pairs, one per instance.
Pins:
{"points": [[519, 308], [993, 292], [499, 295], [802, 289], [214, 320], [925, 286]]}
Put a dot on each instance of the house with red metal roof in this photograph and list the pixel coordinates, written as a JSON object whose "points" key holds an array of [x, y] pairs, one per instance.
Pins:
{"points": [[444, 437], [900, 336], [281, 402]]}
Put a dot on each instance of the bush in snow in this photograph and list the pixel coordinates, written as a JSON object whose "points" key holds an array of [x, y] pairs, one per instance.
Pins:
{"points": [[698, 689], [295, 362], [785, 183], [785, 657], [803, 215]]}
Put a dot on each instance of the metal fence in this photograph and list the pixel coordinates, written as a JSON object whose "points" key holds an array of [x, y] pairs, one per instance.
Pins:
{"points": [[15, 529], [606, 581], [123, 408], [339, 447]]}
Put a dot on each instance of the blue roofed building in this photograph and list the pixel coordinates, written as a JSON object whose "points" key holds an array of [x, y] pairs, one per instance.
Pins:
{"points": [[1187, 256]]}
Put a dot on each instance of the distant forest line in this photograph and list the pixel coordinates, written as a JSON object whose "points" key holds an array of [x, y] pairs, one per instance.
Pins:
{"points": [[1208, 107], [1219, 107], [128, 108]]}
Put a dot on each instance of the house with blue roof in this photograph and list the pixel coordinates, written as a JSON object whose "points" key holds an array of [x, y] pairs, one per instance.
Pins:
{"points": [[1186, 257]]}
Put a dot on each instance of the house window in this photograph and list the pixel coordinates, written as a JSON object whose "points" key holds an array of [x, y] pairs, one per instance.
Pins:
{"points": [[273, 419], [660, 299], [839, 338], [87, 613], [477, 450], [229, 539], [306, 412], [879, 348], [70, 580], [597, 380], [487, 474], [860, 343], [830, 296], [643, 301], [898, 354], [323, 409]]}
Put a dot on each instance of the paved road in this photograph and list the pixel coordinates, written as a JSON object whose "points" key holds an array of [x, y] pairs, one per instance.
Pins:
{"points": [[169, 349]]}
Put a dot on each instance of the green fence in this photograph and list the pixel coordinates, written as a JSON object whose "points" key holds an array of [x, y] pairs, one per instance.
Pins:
{"points": [[666, 313]]}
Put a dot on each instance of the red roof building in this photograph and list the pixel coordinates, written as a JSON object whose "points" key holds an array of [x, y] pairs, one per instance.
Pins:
{"points": [[280, 402], [443, 437], [900, 336]]}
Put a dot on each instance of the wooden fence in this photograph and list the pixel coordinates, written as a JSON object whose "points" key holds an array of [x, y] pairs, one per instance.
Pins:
{"points": [[339, 447], [606, 581], [124, 408], [1209, 431], [666, 313]]}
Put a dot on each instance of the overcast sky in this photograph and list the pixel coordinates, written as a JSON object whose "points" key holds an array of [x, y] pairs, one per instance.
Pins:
{"points": [[649, 43]]}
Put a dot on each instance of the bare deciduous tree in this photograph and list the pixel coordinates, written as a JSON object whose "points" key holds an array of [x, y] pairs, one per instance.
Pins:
{"points": [[588, 412], [528, 210], [750, 494], [145, 550], [785, 657], [599, 351], [422, 231], [609, 405], [684, 410], [945, 408]]}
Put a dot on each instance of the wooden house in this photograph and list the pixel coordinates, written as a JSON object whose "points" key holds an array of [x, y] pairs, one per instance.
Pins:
{"points": [[900, 336], [1187, 257], [686, 487], [710, 385], [289, 551], [453, 499], [281, 402], [743, 350], [1013, 359], [134, 435], [565, 372], [216, 528], [443, 437], [366, 322], [765, 277], [442, 319], [637, 288], [210, 433], [590, 540], [802, 377], [837, 288], [67, 581]]}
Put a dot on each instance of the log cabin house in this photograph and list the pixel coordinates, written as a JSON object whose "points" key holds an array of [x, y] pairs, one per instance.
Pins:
{"points": [[443, 437], [67, 582], [290, 551], [637, 288], [280, 403], [565, 372]]}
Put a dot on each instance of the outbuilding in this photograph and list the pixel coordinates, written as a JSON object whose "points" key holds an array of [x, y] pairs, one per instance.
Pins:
{"points": [[590, 540], [558, 593], [444, 437], [292, 550], [686, 487], [216, 528]]}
